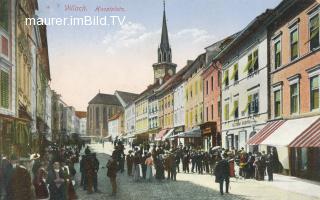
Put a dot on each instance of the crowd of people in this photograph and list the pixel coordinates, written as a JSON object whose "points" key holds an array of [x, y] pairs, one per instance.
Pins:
{"points": [[51, 176]]}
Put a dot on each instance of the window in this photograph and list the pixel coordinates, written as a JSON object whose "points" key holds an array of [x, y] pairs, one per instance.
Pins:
{"points": [[97, 118], [207, 86], [4, 14], [226, 78], [211, 83], [219, 108], [207, 112], [314, 82], [196, 87], [219, 78], [277, 103], [294, 44], [226, 112], [235, 75], [277, 54], [253, 103], [255, 62], [314, 32], [235, 111], [294, 98], [212, 111], [5, 48], [4, 89]]}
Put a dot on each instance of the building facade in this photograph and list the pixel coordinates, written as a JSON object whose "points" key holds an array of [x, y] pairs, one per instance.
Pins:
{"points": [[294, 91], [8, 108], [130, 120], [100, 109]]}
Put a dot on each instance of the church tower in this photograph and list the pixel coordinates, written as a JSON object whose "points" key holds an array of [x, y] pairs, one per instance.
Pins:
{"points": [[164, 67]]}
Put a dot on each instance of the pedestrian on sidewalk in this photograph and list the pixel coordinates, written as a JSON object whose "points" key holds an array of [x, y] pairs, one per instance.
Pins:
{"points": [[130, 159], [96, 169], [269, 163], [149, 163], [222, 171], [40, 185], [136, 166], [112, 174], [143, 165]]}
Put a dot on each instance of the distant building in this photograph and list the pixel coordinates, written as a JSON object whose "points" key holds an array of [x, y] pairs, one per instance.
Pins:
{"points": [[116, 126], [82, 116]]}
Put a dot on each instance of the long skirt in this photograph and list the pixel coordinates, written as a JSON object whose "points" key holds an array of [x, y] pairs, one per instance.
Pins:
{"points": [[136, 172], [149, 173]]}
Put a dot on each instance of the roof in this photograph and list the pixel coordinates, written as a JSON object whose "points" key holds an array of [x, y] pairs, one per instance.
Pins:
{"points": [[116, 116], [195, 65], [107, 99], [81, 114], [148, 91], [127, 97]]}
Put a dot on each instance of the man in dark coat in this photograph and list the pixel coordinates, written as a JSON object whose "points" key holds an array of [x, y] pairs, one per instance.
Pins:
{"points": [[269, 163], [143, 165], [96, 169], [222, 171], [129, 163], [19, 183], [82, 171], [112, 174]]}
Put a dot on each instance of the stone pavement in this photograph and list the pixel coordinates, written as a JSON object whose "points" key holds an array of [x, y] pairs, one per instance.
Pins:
{"points": [[196, 187]]}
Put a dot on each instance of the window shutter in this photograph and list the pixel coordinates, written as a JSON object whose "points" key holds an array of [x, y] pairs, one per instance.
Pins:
{"points": [[248, 66], [225, 76], [248, 103], [235, 107], [4, 89]]}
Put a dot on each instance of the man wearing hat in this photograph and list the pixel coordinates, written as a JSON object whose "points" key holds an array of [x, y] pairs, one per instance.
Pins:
{"points": [[222, 171], [129, 163]]}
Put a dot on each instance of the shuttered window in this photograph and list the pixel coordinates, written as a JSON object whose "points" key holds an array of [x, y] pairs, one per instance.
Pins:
{"points": [[4, 84], [314, 32], [294, 44]]}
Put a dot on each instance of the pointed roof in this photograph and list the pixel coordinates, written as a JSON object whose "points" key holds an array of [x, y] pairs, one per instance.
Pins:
{"points": [[164, 34], [126, 97], [107, 99]]}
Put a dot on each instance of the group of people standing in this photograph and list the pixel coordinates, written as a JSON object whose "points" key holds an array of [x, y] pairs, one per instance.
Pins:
{"points": [[48, 177]]}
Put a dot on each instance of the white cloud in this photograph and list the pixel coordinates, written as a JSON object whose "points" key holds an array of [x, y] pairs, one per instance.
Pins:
{"points": [[134, 36]]}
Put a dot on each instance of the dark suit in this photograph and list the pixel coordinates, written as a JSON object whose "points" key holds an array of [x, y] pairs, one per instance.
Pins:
{"points": [[57, 191], [222, 173]]}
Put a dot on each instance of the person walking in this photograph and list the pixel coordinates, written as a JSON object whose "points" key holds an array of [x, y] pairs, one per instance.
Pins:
{"points": [[222, 174], [112, 174], [143, 165], [57, 186], [149, 164], [173, 168]]}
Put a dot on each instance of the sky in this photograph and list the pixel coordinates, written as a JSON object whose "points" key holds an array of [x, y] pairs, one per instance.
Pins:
{"points": [[87, 59]]}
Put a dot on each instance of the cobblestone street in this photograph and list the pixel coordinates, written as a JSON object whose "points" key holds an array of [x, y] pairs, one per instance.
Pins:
{"points": [[192, 186]]}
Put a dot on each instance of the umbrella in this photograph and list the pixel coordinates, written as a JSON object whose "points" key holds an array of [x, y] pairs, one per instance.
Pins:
{"points": [[215, 148]]}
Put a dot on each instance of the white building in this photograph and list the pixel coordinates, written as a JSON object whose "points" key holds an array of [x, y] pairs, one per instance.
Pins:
{"points": [[130, 121], [245, 85], [48, 112], [178, 106], [153, 112], [83, 126]]}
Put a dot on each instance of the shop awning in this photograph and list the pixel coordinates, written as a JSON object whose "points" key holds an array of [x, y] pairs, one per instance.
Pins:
{"points": [[160, 135], [129, 136], [289, 131], [265, 132], [309, 137], [169, 134], [194, 133]]}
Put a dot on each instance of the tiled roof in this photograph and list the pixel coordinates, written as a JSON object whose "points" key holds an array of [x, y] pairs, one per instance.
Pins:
{"points": [[116, 116], [81, 114], [107, 99]]}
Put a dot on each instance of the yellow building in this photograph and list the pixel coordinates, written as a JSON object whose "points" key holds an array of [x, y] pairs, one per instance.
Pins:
{"points": [[193, 97]]}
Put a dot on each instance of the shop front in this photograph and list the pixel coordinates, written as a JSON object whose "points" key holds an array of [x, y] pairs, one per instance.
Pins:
{"points": [[175, 140], [192, 138], [6, 136], [209, 135]]}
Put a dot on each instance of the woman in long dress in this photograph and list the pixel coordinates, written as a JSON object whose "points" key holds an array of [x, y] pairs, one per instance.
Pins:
{"points": [[149, 163], [136, 167]]}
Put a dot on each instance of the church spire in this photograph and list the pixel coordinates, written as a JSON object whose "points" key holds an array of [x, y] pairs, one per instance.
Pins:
{"points": [[164, 52]]}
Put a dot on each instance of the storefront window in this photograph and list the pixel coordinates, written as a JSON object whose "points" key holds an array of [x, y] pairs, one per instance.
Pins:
{"points": [[304, 159]]}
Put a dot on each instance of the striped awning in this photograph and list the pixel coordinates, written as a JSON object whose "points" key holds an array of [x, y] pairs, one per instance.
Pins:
{"points": [[308, 138], [265, 132]]}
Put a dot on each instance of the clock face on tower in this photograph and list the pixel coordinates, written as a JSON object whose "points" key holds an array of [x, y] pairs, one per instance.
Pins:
{"points": [[159, 73], [170, 72]]}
